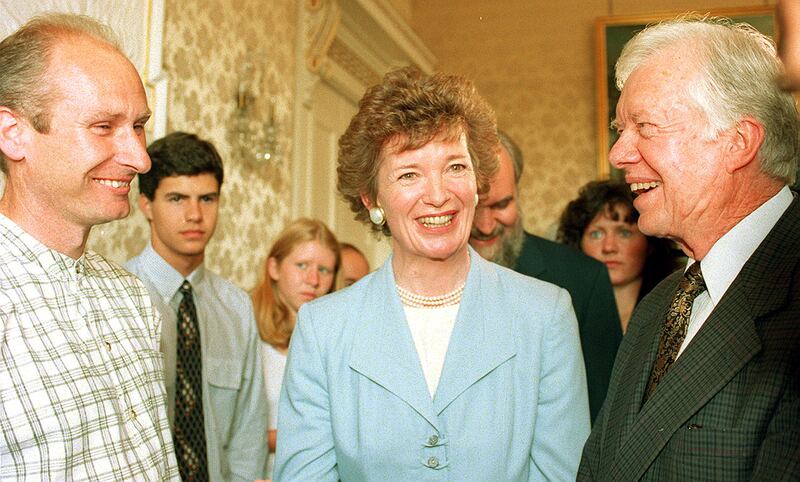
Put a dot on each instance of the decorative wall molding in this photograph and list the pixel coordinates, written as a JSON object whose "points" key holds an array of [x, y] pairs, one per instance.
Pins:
{"points": [[350, 45]]}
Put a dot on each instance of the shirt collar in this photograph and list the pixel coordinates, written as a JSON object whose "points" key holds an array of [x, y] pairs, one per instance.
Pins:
{"points": [[728, 255], [51, 261], [166, 279]]}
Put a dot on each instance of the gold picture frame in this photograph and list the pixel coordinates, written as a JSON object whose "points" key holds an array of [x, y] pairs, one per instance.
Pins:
{"points": [[611, 34]]}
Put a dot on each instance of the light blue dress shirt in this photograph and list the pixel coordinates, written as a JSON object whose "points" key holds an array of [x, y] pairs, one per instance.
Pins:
{"points": [[234, 407]]}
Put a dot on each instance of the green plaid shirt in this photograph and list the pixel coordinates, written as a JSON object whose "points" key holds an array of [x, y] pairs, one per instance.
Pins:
{"points": [[81, 389]]}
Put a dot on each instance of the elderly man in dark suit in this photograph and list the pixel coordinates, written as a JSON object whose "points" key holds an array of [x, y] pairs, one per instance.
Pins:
{"points": [[706, 385], [498, 236]]}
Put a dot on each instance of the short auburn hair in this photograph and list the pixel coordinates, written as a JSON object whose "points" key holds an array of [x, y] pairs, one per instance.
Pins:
{"points": [[406, 111]]}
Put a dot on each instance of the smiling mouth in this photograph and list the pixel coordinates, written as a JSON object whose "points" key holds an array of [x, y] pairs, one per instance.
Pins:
{"points": [[642, 187], [436, 221], [113, 183]]}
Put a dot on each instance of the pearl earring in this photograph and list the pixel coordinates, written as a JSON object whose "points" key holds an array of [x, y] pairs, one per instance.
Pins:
{"points": [[476, 199], [377, 216]]}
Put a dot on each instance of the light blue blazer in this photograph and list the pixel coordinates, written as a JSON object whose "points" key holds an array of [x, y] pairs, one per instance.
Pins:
{"points": [[511, 404]]}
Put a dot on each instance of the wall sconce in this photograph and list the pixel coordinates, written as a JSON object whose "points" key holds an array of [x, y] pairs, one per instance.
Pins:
{"points": [[254, 140]]}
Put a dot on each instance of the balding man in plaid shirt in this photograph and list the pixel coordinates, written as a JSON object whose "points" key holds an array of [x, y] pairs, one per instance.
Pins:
{"points": [[81, 389]]}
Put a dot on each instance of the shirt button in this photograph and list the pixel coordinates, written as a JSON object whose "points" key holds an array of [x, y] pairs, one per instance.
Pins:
{"points": [[108, 347], [433, 462], [132, 415], [433, 440]]}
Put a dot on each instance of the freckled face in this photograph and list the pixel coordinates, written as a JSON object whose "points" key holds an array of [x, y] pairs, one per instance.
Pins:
{"points": [[304, 274], [665, 151], [618, 245], [428, 195], [82, 168]]}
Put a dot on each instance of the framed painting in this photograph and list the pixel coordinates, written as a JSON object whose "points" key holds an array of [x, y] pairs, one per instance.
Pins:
{"points": [[612, 33]]}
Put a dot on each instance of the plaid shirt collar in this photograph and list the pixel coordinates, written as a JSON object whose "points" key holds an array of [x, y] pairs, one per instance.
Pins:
{"points": [[56, 265]]}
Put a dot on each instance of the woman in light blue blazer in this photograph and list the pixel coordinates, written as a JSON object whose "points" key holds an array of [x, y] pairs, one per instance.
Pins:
{"points": [[440, 365]]}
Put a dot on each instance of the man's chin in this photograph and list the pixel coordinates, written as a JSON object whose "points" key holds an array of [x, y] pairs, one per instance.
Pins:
{"points": [[486, 250]]}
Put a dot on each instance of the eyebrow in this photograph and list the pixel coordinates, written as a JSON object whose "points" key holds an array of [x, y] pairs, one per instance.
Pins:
{"points": [[184, 195], [104, 114], [505, 200]]}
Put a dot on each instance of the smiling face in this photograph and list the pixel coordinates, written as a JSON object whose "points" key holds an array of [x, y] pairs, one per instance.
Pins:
{"points": [[497, 222], [80, 171], [428, 195], [306, 273], [183, 216], [663, 148], [617, 244]]}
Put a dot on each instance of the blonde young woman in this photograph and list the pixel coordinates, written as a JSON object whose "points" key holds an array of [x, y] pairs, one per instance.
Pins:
{"points": [[439, 365], [300, 267]]}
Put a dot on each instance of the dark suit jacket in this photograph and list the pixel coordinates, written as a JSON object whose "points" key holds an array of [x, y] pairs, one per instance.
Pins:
{"points": [[729, 408], [588, 284]]}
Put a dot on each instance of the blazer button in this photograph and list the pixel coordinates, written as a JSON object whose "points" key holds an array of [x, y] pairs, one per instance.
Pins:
{"points": [[433, 440], [433, 462]]}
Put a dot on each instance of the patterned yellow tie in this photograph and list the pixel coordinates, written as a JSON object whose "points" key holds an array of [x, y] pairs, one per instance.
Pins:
{"points": [[190, 437], [674, 332]]}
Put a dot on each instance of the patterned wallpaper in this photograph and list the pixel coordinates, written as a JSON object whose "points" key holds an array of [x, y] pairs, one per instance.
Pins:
{"points": [[205, 45], [534, 62]]}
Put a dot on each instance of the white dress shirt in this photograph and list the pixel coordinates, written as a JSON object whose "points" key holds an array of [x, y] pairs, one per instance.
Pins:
{"points": [[728, 256]]}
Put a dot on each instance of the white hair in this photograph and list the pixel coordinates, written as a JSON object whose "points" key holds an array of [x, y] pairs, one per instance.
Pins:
{"points": [[738, 67]]}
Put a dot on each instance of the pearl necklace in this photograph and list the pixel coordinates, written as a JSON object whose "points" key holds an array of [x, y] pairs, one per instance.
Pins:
{"points": [[419, 301]]}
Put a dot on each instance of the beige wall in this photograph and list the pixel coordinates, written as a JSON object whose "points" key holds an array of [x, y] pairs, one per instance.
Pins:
{"points": [[205, 42], [534, 61]]}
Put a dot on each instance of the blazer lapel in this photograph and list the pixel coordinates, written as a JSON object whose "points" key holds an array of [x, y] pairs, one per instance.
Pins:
{"points": [[727, 341], [625, 406], [383, 349], [721, 348], [480, 341]]}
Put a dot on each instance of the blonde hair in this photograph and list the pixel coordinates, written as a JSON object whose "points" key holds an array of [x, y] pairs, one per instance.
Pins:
{"points": [[274, 317]]}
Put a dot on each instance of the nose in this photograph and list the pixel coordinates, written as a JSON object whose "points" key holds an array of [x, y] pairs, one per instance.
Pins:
{"points": [[484, 221], [436, 193], [610, 244], [192, 211], [132, 150], [624, 150], [312, 276]]}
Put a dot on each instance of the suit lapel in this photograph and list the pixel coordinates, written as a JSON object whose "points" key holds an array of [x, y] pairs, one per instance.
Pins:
{"points": [[727, 341], [383, 349], [476, 348], [643, 342]]}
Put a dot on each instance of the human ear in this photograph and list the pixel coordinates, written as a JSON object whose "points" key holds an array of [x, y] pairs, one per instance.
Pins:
{"points": [[12, 134], [366, 201], [273, 268], [144, 205], [746, 139]]}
